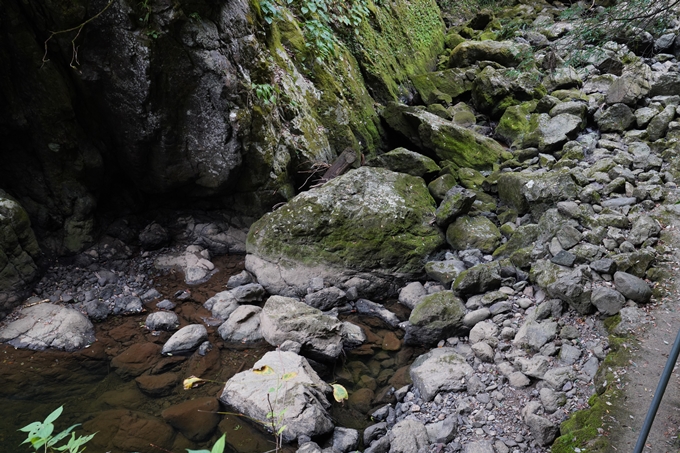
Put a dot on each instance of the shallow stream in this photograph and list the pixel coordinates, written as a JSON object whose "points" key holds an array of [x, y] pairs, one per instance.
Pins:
{"points": [[108, 399]]}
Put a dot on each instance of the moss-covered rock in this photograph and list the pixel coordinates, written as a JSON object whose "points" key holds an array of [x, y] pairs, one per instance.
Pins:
{"points": [[536, 192], [442, 86], [369, 220], [494, 90], [523, 236], [436, 317], [441, 185], [478, 279], [505, 53], [473, 233], [403, 160], [448, 141], [516, 122]]}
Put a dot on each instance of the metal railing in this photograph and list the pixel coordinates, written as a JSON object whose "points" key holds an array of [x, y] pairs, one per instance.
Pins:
{"points": [[658, 395]]}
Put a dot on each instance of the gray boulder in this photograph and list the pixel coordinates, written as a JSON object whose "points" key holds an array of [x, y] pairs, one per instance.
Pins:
{"points": [[222, 304], [326, 298], [659, 124], [185, 339], [573, 286], [369, 223], [438, 316], [248, 293], [285, 318], [479, 446], [411, 294], [536, 192], [298, 397], [240, 279], [162, 320], [444, 431], [505, 53], [608, 301], [153, 237], [633, 85], [542, 429], [440, 370], [242, 326], [632, 287], [194, 262], [444, 271], [408, 436], [557, 130], [46, 326], [344, 440], [370, 308], [478, 279], [617, 118], [643, 228]]}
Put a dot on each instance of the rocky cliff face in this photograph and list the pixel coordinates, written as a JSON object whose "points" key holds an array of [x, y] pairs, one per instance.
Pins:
{"points": [[161, 102]]}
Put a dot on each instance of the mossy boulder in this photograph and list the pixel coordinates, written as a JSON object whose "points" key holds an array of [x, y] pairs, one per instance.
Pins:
{"points": [[457, 202], [536, 192], [523, 236], [369, 222], [517, 122], [436, 317], [447, 140], [573, 286], [478, 279], [473, 233], [441, 86], [505, 53], [19, 253], [441, 185], [494, 90], [403, 160]]}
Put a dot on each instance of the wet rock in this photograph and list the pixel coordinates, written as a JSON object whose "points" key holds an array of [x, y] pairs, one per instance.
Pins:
{"points": [[242, 326], [304, 400], [632, 287], [126, 305], [374, 432], [50, 326], [440, 370], [185, 339], [162, 320], [369, 308], [157, 385], [284, 318], [125, 430], [136, 359], [195, 419]]}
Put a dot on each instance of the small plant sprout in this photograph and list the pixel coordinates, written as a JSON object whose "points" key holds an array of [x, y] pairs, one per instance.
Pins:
{"points": [[41, 439]]}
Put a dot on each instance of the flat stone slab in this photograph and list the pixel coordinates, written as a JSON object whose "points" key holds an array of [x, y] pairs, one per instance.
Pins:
{"points": [[46, 326]]}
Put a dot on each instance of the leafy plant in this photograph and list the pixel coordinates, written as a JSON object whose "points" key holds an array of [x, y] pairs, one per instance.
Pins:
{"points": [[265, 92], [145, 5], [41, 438], [217, 448]]}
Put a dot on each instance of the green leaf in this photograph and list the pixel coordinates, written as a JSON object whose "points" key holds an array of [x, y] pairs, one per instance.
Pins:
{"points": [[219, 445], [54, 415], [339, 393], [61, 435], [281, 429]]}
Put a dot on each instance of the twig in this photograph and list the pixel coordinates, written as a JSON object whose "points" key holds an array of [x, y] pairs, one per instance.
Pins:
{"points": [[74, 57]]}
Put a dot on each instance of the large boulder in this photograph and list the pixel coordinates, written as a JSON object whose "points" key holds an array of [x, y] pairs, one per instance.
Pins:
{"points": [[449, 141], [494, 90], [441, 86], [440, 370], [370, 223], [285, 318], [536, 192], [47, 325], [573, 286], [505, 53], [403, 160], [19, 252], [282, 383], [437, 317]]}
